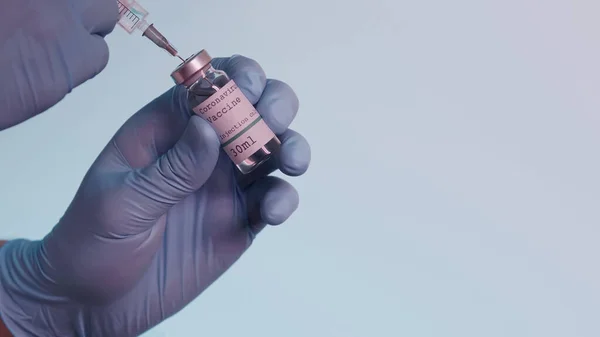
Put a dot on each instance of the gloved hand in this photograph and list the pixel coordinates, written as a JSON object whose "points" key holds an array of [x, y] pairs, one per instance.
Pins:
{"points": [[159, 216], [47, 48]]}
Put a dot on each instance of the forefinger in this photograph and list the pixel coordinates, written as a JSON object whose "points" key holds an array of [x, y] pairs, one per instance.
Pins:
{"points": [[98, 16]]}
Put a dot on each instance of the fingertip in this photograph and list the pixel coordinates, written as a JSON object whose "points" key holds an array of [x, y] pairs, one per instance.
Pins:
{"points": [[278, 105], [97, 58], [286, 91], [100, 17], [103, 52], [279, 202], [295, 154]]}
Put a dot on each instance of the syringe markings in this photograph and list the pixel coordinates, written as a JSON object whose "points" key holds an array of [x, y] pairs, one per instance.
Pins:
{"points": [[124, 11]]}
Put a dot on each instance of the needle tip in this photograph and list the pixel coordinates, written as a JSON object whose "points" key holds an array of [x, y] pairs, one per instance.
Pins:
{"points": [[181, 58]]}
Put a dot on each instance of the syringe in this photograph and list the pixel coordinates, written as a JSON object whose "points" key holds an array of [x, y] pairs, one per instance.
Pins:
{"points": [[132, 17]]}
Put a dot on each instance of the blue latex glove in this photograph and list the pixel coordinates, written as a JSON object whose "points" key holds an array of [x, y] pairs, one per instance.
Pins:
{"points": [[48, 47], [159, 216]]}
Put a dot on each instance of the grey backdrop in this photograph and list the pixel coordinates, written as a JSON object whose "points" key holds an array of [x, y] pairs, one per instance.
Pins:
{"points": [[454, 189]]}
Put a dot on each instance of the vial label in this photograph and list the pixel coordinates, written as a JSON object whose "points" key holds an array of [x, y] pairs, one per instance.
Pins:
{"points": [[240, 128]]}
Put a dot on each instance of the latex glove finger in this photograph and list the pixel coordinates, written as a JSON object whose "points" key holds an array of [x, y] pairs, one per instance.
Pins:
{"points": [[121, 214], [246, 73], [118, 211], [278, 106], [47, 51], [293, 159], [153, 130], [35, 87], [98, 16], [182, 170], [270, 201]]}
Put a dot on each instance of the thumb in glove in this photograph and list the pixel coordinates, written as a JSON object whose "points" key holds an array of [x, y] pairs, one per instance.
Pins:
{"points": [[176, 174], [120, 207]]}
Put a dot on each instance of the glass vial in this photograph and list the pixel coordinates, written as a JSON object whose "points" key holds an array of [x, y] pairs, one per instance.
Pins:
{"points": [[212, 95]]}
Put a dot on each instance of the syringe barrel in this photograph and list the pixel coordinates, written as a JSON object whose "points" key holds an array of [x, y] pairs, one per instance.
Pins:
{"points": [[142, 26], [131, 15]]}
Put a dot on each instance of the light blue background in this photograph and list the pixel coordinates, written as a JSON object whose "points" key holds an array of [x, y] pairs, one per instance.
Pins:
{"points": [[455, 185]]}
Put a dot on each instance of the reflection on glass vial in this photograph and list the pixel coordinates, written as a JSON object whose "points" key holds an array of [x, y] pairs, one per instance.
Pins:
{"points": [[244, 135]]}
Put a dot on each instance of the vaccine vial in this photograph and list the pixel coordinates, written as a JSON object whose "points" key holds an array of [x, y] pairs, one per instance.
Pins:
{"points": [[212, 95]]}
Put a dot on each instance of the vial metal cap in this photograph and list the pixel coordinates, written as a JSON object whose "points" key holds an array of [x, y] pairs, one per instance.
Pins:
{"points": [[190, 70]]}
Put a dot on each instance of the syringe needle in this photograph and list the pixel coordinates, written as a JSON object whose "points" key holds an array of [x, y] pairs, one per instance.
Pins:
{"points": [[155, 36], [212, 85], [181, 58]]}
